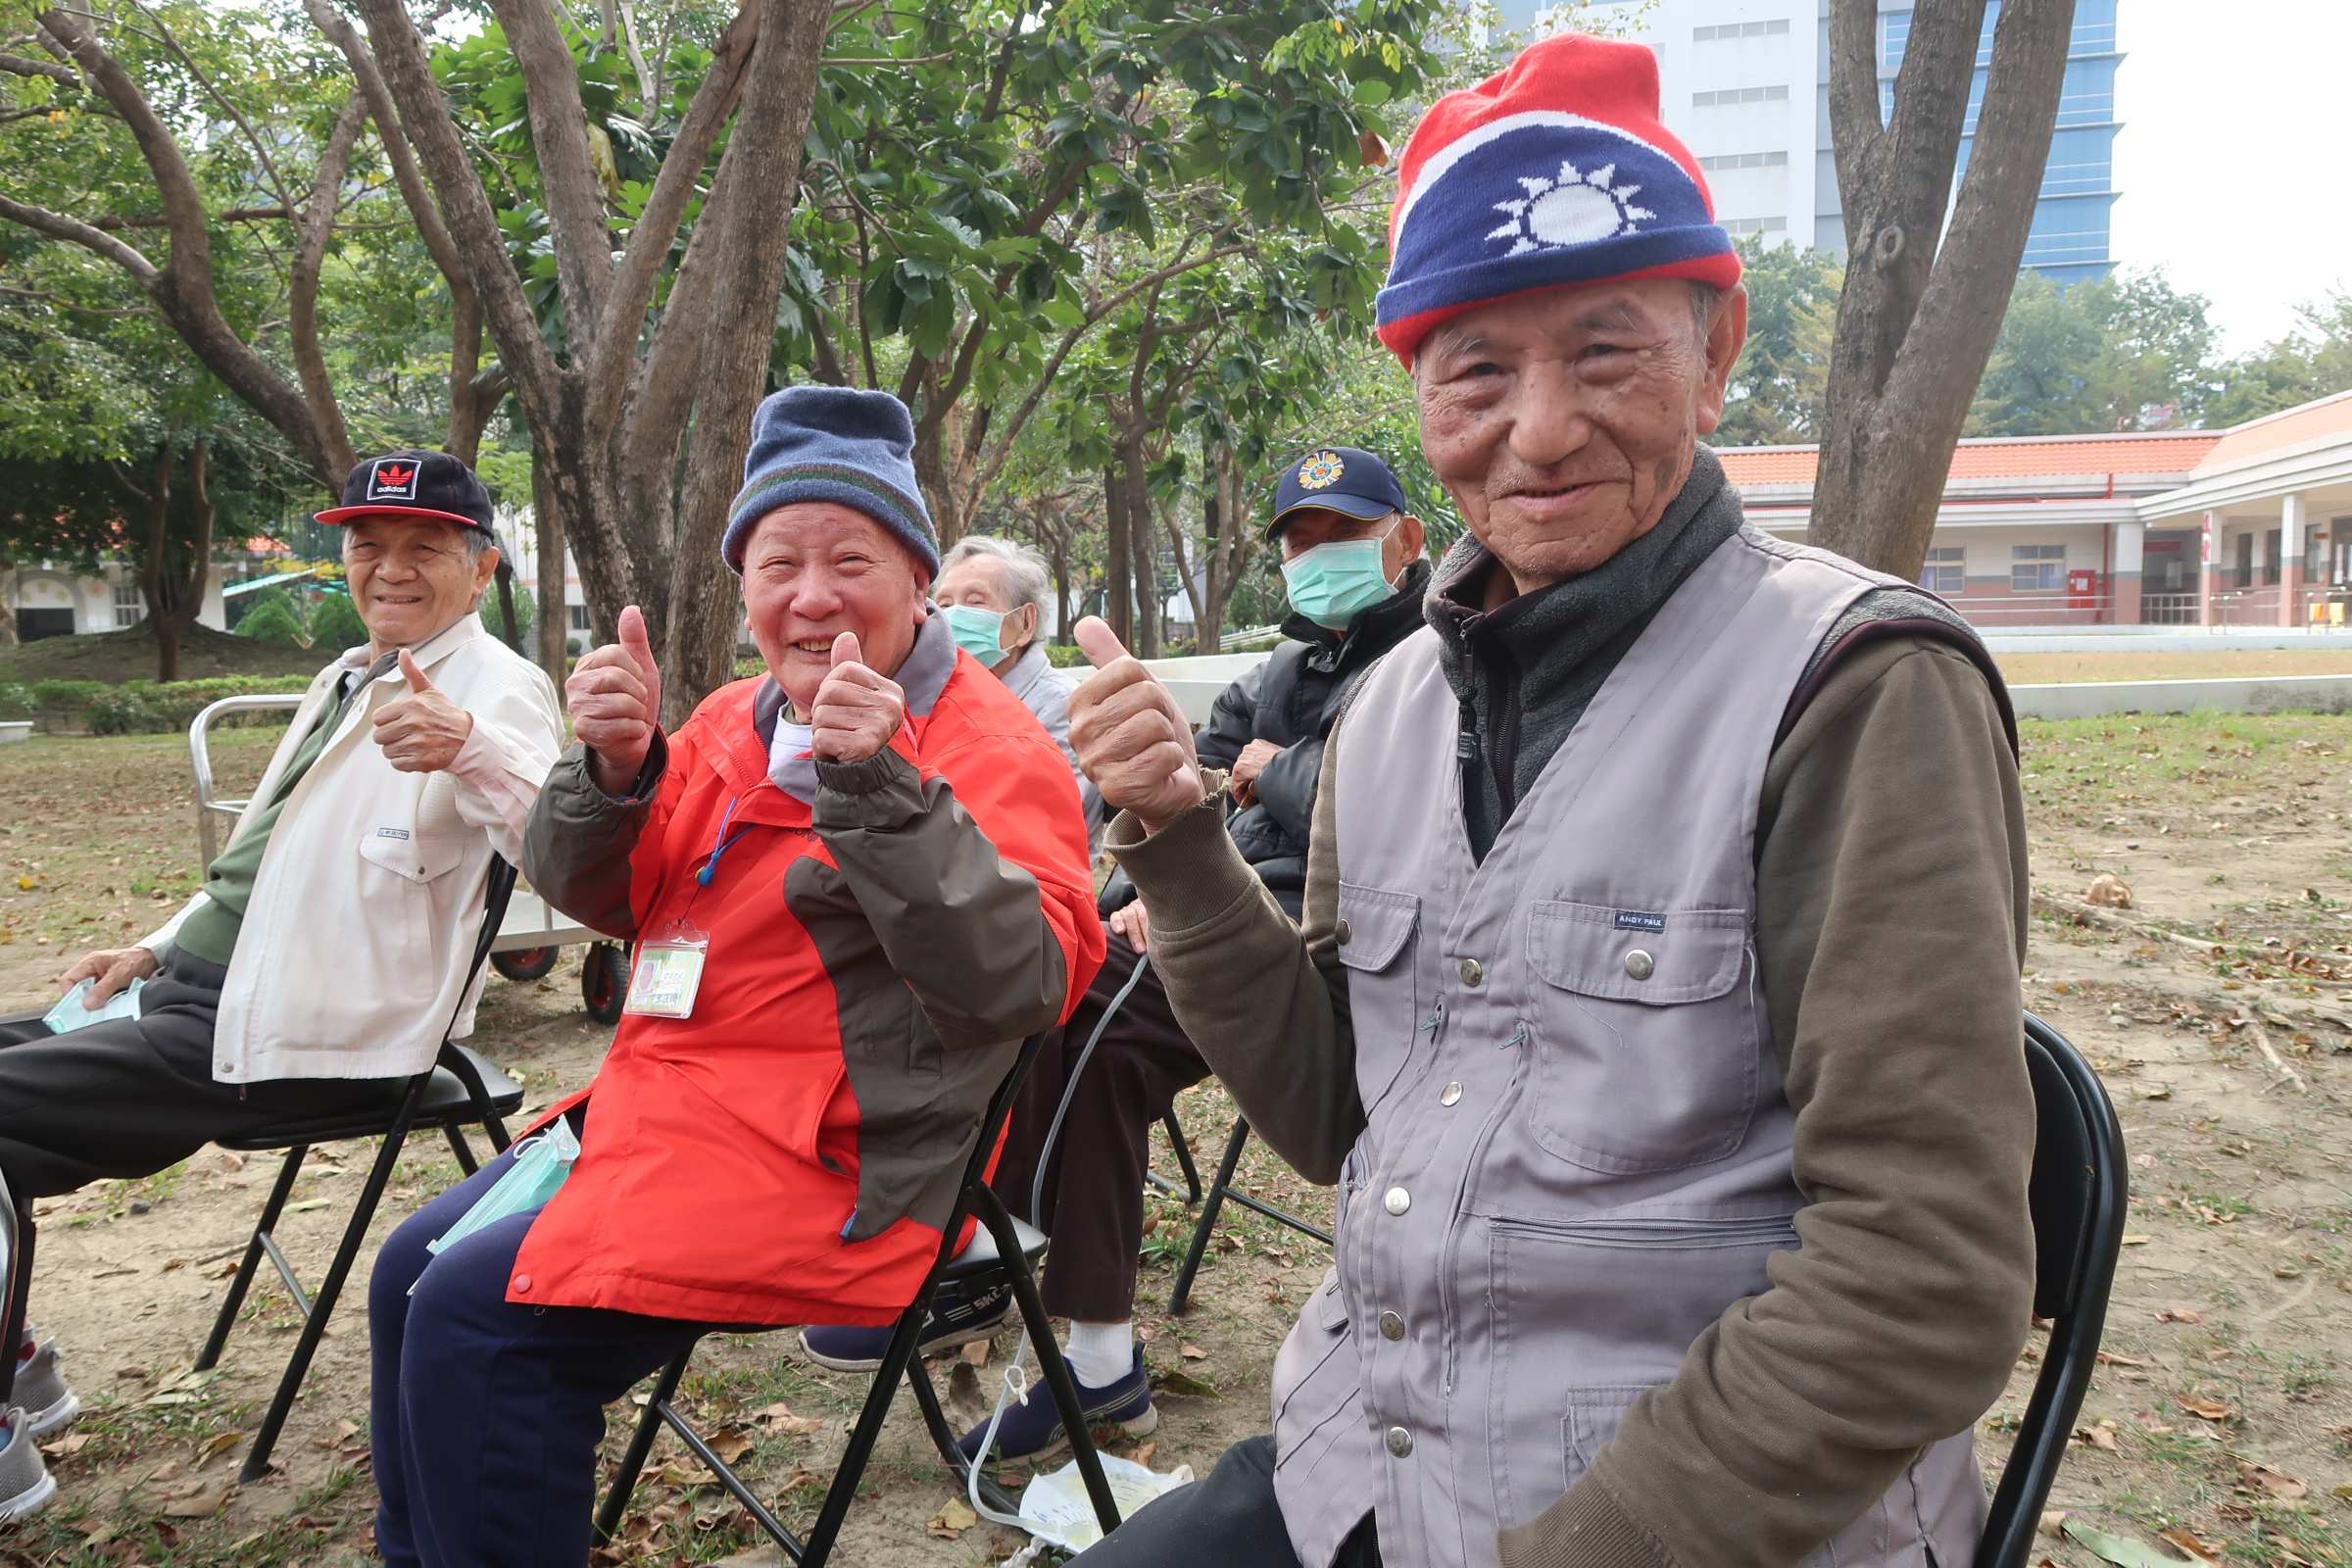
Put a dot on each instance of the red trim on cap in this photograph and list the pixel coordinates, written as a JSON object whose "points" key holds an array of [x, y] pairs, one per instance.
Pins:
{"points": [[1404, 334], [342, 514]]}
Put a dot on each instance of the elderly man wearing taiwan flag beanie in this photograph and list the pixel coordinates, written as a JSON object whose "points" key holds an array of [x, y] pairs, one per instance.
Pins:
{"points": [[1668, 1064]]}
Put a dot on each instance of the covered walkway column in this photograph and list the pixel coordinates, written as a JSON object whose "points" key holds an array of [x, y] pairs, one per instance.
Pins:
{"points": [[2130, 541], [2290, 560], [2209, 566]]}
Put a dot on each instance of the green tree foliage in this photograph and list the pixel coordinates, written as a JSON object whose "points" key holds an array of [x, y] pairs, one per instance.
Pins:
{"points": [[335, 624], [2122, 353], [1777, 388], [2312, 362]]}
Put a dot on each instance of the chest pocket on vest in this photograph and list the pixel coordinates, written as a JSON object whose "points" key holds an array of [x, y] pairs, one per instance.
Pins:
{"points": [[1648, 1033], [1375, 932]]}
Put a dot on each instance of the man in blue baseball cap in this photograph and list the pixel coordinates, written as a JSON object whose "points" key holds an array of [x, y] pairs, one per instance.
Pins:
{"points": [[1353, 565]]}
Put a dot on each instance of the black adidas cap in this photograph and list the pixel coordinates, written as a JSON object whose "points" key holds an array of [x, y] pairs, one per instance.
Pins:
{"points": [[413, 483]]}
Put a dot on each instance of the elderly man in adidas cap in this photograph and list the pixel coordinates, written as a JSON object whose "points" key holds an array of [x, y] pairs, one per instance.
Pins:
{"points": [[1662, 1036], [314, 970]]}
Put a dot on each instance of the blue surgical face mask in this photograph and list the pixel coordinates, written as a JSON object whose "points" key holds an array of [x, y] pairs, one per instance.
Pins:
{"points": [[1331, 584], [978, 633]]}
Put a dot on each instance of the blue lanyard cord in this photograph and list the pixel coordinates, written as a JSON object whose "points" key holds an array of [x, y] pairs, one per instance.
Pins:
{"points": [[719, 844]]}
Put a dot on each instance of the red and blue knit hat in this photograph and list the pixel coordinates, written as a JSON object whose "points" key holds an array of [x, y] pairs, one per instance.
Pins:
{"points": [[1558, 171]]}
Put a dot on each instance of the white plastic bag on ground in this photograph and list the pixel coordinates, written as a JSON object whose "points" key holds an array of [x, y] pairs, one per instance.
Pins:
{"points": [[1054, 1507]]}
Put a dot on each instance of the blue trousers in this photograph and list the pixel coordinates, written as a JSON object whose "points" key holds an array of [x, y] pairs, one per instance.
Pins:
{"points": [[486, 1416]]}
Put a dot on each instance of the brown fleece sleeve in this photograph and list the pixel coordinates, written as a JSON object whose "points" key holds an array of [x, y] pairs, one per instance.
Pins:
{"points": [[578, 842], [1265, 1000], [1891, 892]]}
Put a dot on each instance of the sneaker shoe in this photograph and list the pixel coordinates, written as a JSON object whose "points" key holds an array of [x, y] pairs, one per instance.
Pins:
{"points": [[25, 1485], [1035, 1427], [41, 1393], [956, 1320]]}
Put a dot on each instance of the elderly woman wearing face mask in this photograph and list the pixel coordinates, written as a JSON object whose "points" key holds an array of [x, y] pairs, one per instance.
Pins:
{"points": [[994, 593]]}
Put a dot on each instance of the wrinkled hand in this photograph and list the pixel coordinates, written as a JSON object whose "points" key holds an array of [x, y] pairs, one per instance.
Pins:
{"points": [[1242, 784], [1130, 921], [422, 730], [857, 711], [109, 970], [614, 695], [1129, 734]]}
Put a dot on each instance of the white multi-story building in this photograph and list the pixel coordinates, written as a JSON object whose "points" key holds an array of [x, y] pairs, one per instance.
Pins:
{"points": [[1746, 85]]}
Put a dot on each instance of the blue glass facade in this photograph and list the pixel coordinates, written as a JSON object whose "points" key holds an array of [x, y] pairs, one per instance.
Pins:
{"points": [[2069, 237]]}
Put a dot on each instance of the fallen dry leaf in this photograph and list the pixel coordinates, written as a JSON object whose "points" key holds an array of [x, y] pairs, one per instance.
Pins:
{"points": [[2209, 1410], [779, 1417], [2180, 1315], [2190, 1543], [952, 1520], [2256, 1476], [2111, 1359], [730, 1445], [201, 1504], [1191, 1351]]}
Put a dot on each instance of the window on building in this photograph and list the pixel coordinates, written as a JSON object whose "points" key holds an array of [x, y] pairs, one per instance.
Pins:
{"points": [[2270, 549], [1894, 34], [1738, 226], [2245, 561], [1777, 93], [130, 608], [1740, 29], [579, 617], [1745, 161], [1947, 572], [2036, 569]]}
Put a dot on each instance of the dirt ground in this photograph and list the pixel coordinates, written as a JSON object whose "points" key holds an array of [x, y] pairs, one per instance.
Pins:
{"points": [[2221, 1416]]}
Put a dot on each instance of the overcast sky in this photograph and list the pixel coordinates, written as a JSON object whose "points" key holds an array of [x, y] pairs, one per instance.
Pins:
{"points": [[2234, 161]]}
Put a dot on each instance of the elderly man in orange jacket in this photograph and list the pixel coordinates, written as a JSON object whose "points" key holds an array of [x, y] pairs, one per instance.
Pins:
{"points": [[855, 885]]}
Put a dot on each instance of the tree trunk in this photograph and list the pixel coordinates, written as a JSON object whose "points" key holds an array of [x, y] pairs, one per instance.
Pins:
{"points": [[1142, 559], [1916, 321], [1118, 596], [151, 568], [704, 598], [555, 615], [8, 603]]}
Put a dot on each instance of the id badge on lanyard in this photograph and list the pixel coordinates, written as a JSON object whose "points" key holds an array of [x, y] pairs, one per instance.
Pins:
{"points": [[668, 973]]}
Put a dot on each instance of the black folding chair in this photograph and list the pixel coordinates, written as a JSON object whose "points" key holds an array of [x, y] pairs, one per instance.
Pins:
{"points": [[1003, 1251], [463, 1089], [2078, 1199], [1220, 1189]]}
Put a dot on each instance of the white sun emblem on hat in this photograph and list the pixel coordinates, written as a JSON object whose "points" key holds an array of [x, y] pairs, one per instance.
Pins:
{"points": [[1572, 210]]}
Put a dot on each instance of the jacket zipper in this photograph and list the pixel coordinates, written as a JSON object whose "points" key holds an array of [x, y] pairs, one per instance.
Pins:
{"points": [[1446, 1277], [1635, 1232]]}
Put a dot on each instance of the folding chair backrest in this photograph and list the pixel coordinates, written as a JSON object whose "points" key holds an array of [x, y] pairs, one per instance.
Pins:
{"points": [[2077, 1198]]}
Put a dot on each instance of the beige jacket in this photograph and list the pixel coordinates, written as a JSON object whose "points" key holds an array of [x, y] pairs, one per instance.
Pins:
{"points": [[365, 913]]}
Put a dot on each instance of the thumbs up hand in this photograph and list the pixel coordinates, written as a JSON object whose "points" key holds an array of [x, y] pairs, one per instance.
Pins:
{"points": [[857, 711], [421, 731], [614, 695], [1130, 736]]}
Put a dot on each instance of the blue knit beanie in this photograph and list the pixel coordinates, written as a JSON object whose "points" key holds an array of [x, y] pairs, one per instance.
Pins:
{"points": [[832, 443]]}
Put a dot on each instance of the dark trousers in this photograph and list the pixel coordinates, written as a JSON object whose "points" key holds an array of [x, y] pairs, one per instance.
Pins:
{"points": [[1230, 1518], [135, 1096], [1105, 1146], [485, 1415]]}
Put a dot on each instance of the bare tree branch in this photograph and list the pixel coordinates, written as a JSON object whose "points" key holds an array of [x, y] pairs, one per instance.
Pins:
{"points": [[234, 215], [318, 227], [568, 178], [1854, 125], [615, 339], [477, 245], [648, 84], [72, 230], [20, 66]]}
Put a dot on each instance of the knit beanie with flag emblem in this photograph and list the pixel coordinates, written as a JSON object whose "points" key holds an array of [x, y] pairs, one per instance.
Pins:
{"points": [[1557, 171], [838, 444]]}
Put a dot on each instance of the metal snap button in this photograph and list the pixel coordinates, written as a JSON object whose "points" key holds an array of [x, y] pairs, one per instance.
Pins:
{"points": [[1342, 932], [1391, 1326], [1450, 1095], [1401, 1441], [1640, 964], [1474, 973], [1397, 1200]]}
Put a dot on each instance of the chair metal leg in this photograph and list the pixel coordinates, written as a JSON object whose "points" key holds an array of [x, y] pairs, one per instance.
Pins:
{"points": [[1058, 1381], [254, 1251], [870, 1415], [943, 1438], [461, 1148], [1181, 1297], [1184, 1155], [20, 1293], [641, 1443], [323, 1305]]}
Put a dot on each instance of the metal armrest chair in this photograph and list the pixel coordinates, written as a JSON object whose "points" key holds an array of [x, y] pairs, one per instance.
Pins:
{"points": [[463, 1089], [2078, 1201], [1222, 1189], [1003, 1251]]}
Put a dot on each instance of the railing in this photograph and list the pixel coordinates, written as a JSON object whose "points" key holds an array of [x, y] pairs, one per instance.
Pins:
{"points": [[209, 809], [2168, 610]]}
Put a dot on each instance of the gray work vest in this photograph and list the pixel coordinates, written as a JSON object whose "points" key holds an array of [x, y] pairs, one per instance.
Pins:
{"points": [[1578, 1149]]}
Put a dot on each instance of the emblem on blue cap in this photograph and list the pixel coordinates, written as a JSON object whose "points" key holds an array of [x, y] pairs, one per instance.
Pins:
{"points": [[1321, 471], [1571, 210]]}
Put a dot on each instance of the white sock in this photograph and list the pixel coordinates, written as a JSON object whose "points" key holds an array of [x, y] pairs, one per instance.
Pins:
{"points": [[1102, 1354]]}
